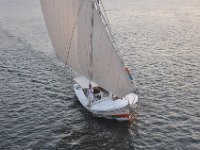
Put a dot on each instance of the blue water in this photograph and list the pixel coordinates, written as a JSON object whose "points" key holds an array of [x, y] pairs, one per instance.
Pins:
{"points": [[159, 39]]}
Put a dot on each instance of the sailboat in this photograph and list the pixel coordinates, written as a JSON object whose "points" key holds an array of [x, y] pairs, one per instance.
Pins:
{"points": [[82, 39]]}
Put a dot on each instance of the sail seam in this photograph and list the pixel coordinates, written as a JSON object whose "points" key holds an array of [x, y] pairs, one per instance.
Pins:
{"points": [[98, 53], [118, 82], [82, 3], [86, 44]]}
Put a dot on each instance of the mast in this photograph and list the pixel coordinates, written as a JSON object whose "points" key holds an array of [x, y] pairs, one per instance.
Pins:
{"points": [[91, 43]]}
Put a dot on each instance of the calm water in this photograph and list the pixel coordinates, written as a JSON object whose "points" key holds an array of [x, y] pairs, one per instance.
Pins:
{"points": [[159, 39]]}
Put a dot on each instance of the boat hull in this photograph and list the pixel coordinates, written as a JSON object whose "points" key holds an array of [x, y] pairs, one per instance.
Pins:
{"points": [[118, 109]]}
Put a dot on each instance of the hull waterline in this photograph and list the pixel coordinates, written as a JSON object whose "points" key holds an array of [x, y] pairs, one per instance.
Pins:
{"points": [[106, 107]]}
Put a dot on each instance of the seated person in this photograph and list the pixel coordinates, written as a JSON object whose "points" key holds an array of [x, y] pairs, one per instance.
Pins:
{"points": [[97, 92], [114, 97]]}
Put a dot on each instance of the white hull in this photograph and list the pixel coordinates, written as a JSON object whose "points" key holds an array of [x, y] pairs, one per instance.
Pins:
{"points": [[107, 107]]}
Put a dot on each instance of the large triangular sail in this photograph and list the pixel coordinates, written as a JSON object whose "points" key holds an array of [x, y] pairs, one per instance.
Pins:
{"points": [[61, 17], [79, 34]]}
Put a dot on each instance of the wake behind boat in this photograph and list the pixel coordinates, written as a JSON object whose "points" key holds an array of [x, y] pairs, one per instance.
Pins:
{"points": [[82, 38]]}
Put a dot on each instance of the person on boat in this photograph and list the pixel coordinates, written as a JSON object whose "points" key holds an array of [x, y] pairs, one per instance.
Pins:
{"points": [[129, 73], [97, 92], [115, 97], [90, 95]]}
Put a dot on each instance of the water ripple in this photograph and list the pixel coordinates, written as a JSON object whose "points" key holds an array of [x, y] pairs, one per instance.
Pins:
{"points": [[158, 39]]}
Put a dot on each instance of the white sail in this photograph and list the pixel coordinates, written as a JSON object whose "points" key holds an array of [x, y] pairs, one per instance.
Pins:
{"points": [[60, 17], [81, 40], [107, 68]]}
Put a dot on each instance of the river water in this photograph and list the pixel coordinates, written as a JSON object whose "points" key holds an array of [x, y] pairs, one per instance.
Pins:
{"points": [[159, 39]]}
